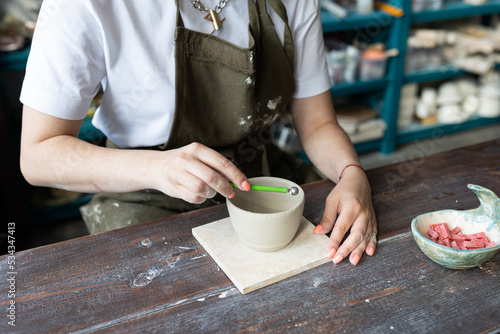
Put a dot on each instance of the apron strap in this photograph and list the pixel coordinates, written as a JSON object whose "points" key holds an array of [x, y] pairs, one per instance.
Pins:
{"points": [[254, 20], [280, 9], [179, 23]]}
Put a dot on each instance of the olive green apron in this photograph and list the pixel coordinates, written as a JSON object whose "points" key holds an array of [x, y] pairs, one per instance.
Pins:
{"points": [[226, 98]]}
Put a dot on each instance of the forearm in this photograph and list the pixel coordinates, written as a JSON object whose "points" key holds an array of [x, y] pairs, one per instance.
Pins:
{"points": [[326, 144], [72, 164], [330, 150]]}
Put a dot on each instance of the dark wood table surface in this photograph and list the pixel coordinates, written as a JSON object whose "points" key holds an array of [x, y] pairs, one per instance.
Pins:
{"points": [[112, 283]]}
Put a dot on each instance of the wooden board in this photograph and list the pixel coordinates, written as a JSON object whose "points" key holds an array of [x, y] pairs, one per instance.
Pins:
{"points": [[250, 270]]}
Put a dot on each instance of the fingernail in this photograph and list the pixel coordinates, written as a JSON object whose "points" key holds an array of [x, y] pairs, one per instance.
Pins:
{"points": [[370, 251], [355, 259], [317, 229], [246, 186], [232, 195], [337, 258], [331, 253]]}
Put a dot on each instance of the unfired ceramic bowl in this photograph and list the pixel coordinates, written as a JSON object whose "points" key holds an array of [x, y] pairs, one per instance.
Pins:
{"points": [[266, 221], [486, 218]]}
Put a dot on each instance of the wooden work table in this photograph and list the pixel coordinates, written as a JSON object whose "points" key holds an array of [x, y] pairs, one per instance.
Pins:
{"points": [[114, 283]]}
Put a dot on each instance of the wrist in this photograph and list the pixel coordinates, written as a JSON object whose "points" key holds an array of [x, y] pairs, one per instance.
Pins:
{"points": [[351, 167]]}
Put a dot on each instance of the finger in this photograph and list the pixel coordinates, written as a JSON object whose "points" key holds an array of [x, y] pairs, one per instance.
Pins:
{"points": [[328, 219], [193, 190], [372, 242], [340, 228], [356, 235], [357, 253], [208, 182], [224, 167]]}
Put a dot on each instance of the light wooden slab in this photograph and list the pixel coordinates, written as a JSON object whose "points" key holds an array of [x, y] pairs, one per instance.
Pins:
{"points": [[250, 270]]}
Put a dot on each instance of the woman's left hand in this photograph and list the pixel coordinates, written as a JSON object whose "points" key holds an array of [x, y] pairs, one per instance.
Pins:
{"points": [[349, 208]]}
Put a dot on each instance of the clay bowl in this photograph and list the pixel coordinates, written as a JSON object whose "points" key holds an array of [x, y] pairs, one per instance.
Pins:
{"points": [[486, 218], [266, 221]]}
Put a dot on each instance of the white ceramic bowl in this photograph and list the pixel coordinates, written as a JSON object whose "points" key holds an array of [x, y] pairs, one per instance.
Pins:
{"points": [[266, 221]]}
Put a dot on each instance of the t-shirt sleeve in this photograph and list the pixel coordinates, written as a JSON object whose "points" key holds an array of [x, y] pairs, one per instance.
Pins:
{"points": [[311, 72], [66, 61]]}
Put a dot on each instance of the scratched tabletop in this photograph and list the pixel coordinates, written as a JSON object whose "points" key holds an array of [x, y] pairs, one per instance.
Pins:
{"points": [[156, 278]]}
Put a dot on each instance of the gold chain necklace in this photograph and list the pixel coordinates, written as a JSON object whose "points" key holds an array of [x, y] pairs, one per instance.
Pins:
{"points": [[213, 14]]}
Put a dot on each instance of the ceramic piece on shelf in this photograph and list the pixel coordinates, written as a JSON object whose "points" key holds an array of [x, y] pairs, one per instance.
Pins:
{"points": [[351, 64], [467, 86], [489, 108], [407, 108], [364, 7], [489, 92], [11, 42], [409, 91], [372, 65], [418, 5], [429, 97], [471, 104], [333, 8], [266, 221], [448, 94], [475, 64], [490, 79], [423, 110], [451, 114], [485, 218], [475, 2]]}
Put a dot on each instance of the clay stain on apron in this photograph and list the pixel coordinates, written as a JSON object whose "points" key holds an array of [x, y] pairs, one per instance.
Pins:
{"points": [[273, 104]]}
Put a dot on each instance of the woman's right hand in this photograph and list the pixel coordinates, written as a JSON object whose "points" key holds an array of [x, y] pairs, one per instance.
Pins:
{"points": [[195, 173], [52, 155]]}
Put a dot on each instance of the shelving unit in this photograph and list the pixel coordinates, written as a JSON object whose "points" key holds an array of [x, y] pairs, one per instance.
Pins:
{"points": [[391, 84]]}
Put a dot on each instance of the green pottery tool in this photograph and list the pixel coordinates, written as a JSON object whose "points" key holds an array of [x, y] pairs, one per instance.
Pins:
{"points": [[293, 190]]}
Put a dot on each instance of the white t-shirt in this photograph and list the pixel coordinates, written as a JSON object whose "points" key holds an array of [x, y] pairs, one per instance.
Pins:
{"points": [[127, 45]]}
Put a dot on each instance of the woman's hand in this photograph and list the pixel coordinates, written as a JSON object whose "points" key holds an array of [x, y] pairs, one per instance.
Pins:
{"points": [[52, 155], [195, 173], [349, 207]]}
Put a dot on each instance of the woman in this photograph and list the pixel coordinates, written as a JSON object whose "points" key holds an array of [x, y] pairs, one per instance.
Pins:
{"points": [[189, 91]]}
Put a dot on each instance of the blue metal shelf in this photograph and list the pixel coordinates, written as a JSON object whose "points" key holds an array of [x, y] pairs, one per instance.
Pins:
{"points": [[51, 213], [456, 10], [417, 132], [14, 60], [442, 73], [343, 89], [88, 132], [355, 21], [368, 146]]}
